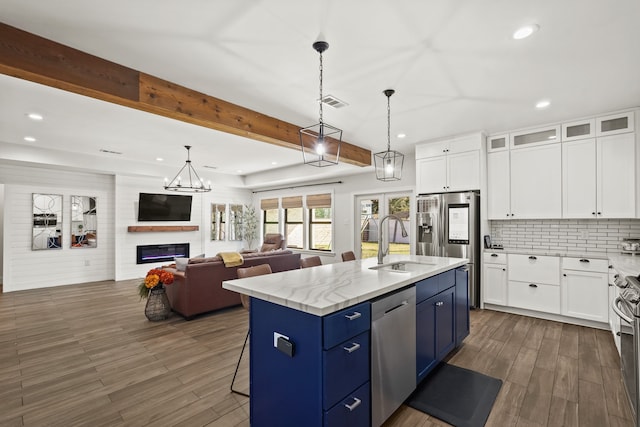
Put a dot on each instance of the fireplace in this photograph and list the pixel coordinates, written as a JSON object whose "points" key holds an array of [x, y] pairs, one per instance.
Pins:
{"points": [[159, 253]]}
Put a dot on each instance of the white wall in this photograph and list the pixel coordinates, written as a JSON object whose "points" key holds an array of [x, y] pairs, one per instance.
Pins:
{"points": [[344, 195], [24, 268], [127, 191], [1, 228], [115, 255]]}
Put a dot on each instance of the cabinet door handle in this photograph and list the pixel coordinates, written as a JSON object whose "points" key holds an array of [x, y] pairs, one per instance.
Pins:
{"points": [[504, 269], [533, 257], [533, 285], [354, 405], [353, 316], [353, 348], [584, 260], [593, 213], [439, 304], [494, 255], [564, 274], [599, 213]]}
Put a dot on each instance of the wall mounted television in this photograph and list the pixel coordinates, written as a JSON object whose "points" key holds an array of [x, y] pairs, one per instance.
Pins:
{"points": [[164, 207]]}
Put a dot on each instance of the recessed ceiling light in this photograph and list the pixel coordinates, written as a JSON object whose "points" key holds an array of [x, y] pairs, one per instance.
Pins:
{"points": [[35, 116], [239, 171], [159, 159], [29, 139], [274, 163], [402, 135], [526, 31], [543, 104]]}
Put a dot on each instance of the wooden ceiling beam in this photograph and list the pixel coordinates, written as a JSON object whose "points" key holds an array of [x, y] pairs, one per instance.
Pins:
{"points": [[34, 58]]}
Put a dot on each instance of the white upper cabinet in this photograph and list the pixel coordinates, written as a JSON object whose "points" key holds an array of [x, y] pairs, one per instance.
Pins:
{"points": [[498, 185], [536, 182], [580, 129], [615, 124], [531, 137], [616, 184], [498, 143], [579, 179], [598, 177], [451, 165]]}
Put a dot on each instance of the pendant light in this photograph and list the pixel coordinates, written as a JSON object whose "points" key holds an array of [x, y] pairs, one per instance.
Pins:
{"points": [[192, 183], [388, 163], [320, 143]]}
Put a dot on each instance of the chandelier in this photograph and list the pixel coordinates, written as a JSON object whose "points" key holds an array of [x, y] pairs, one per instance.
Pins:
{"points": [[388, 163], [320, 143], [191, 184]]}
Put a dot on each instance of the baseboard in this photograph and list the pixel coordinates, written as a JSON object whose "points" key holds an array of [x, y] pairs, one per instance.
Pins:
{"points": [[549, 316]]}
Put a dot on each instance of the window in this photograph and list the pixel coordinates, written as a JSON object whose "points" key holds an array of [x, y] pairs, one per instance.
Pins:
{"points": [[320, 225], [293, 221], [270, 218]]}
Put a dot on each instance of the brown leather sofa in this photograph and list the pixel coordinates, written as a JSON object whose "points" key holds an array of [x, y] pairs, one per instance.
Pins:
{"points": [[199, 290]]}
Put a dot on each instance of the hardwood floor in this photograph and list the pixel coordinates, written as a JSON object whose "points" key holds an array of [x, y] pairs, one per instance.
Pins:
{"points": [[85, 355]]}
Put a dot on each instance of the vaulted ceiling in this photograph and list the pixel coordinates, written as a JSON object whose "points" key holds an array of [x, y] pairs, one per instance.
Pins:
{"points": [[453, 64]]}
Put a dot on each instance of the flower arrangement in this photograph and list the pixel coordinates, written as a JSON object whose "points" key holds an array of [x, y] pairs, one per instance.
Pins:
{"points": [[155, 278]]}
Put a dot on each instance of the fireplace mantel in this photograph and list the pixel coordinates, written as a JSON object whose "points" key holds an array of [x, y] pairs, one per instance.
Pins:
{"points": [[161, 228]]}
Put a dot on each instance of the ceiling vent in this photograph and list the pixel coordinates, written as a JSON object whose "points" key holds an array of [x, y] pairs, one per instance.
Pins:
{"points": [[334, 102], [102, 150], [210, 167]]}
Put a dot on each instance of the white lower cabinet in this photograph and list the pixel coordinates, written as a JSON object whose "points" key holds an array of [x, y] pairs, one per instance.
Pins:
{"points": [[534, 296], [534, 282], [495, 279], [585, 292], [614, 320]]}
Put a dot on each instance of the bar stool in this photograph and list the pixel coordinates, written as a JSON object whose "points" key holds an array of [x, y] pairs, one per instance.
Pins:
{"points": [[348, 256], [312, 261], [257, 270]]}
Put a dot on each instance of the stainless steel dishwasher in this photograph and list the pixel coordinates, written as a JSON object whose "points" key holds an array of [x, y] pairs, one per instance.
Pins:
{"points": [[393, 352]]}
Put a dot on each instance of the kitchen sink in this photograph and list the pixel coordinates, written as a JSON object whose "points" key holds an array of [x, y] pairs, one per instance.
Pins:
{"points": [[404, 267]]}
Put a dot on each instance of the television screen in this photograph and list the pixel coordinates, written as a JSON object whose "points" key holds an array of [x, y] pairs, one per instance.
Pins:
{"points": [[164, 207]]}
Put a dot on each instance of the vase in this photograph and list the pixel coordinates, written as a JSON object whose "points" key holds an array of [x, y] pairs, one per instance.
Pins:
{"points": [[157, 307]]}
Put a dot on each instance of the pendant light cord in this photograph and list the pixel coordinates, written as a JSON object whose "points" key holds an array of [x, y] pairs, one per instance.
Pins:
{"points": [[321, 120], [388, 123]]}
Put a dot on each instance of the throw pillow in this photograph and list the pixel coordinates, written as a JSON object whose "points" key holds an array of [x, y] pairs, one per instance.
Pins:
{"points": [[181, 263]]}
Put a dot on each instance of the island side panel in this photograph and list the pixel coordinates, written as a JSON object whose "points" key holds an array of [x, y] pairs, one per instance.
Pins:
{"points": [[285, 391]]}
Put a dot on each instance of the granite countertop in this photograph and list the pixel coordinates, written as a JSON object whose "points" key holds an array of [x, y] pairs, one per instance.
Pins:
{"points": [[331, 287], [624, 264]]}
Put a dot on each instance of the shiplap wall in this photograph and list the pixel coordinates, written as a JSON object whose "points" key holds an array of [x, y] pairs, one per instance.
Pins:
{"points": [[582, 235], [115, 256], [127, 191], [24, 268]]}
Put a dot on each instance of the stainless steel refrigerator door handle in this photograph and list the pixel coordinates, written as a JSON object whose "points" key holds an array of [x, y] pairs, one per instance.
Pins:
{"points": [[614, 306]]}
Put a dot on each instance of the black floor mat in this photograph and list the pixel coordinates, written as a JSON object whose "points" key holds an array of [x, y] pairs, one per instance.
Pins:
{"points": [[458, 396]]}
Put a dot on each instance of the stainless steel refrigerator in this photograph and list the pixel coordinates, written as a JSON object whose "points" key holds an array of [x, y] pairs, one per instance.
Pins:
{"points": [[448, 225]]}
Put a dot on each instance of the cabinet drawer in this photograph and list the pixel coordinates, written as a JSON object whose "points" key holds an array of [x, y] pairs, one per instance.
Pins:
{"points": [[352, 411], [534, 296], [346, 367], [344, 324], [586, 264], [430, 286], [534, 269], [494, 258]]}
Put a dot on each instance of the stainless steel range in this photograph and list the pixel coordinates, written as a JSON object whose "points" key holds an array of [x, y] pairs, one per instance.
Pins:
{"points": [[627, 307]]}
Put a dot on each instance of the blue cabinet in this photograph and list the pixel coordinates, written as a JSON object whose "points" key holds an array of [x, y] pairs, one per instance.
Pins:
{"points": [[462, 304], [325, 382], [435, 334]]}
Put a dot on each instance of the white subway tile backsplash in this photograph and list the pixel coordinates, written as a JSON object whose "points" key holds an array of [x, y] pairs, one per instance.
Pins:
{"points": [[589, 235]]}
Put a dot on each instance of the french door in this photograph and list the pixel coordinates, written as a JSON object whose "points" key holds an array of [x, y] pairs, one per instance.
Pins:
{"points": [[370, 209]]}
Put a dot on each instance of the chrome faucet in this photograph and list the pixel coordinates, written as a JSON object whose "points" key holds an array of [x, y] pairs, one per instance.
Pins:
{"points": [[382, 253]]}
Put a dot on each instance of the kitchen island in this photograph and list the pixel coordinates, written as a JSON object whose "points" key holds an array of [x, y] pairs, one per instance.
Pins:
{"points": [[311, 334]]}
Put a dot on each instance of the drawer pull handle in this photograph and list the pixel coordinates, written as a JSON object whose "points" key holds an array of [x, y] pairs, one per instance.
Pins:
{"points": [[584, 260], [353, 316], [533, 285], [354, 405], [439, 304], [353, 348], [494, 255], [533, 257]]}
